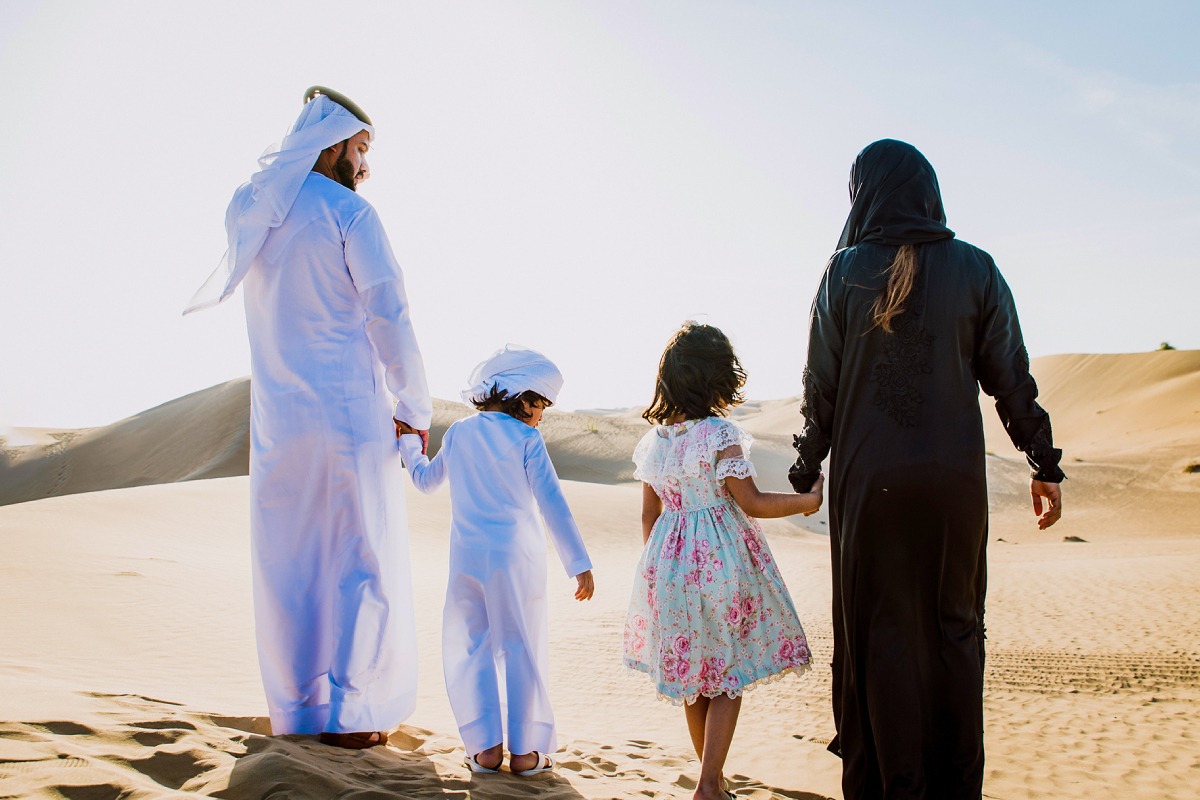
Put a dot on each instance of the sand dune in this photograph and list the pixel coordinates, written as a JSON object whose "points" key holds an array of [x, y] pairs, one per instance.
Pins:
{"points": [[203, 435], [128, 666], [1129, 427], [206, 435], [1140, 409], [1136, 408]]}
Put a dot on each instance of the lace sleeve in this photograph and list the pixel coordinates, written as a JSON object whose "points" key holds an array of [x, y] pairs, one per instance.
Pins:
{"points": [[735, 467], [726, 433], [641, 455]]}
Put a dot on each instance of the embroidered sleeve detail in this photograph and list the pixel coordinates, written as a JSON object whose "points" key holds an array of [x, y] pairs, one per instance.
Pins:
{"points": [[736, 467], [812, 445], [1043, 456]]}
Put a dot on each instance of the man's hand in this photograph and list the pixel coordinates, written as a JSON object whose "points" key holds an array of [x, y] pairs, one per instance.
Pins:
{"points": [[1053, 494], [585, 586], [403, 428]]}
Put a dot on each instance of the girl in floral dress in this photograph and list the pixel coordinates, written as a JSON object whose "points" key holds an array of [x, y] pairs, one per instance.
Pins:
{"points": [[710, 617]]}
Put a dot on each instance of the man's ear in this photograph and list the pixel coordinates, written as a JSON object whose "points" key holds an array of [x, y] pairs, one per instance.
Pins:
{"points": [[326, 158]]}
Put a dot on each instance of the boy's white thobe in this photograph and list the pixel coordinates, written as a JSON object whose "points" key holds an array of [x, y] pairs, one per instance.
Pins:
{"points": [[329, 335], [494, 627]]}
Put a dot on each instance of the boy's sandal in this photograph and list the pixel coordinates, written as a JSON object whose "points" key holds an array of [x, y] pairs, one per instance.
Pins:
{"points": [[354, 741], [545, 764], [472, 763]]}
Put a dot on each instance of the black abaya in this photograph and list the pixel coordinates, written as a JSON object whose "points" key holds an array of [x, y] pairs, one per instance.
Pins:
{"points": [[899, 415]]}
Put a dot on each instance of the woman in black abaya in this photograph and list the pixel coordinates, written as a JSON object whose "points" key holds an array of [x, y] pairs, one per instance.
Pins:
{"points": [[907, 325]]}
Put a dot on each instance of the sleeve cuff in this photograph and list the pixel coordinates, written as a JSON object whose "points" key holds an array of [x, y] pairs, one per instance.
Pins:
{"points": [[410, 448], [1048, 474], [579, 566], [421, 420], [802, 482]]}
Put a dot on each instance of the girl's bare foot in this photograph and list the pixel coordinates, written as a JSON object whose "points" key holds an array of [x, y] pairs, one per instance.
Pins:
{"points": [[715, 792]]}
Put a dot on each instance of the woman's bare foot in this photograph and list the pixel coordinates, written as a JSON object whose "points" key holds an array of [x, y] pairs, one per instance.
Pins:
{"points": [[714, 792]]}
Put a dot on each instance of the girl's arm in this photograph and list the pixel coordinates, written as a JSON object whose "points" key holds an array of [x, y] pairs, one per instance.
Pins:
{"points": [[651, 511], [426, 475], [769, 505], [560, 524]]}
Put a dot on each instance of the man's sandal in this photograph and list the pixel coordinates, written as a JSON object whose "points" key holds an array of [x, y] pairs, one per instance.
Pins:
{"points": [[472, 763], [354, 741], [545, 764]]}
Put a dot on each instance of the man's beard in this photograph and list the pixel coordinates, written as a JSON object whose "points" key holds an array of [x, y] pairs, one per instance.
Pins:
{"points": [[343, 173]]}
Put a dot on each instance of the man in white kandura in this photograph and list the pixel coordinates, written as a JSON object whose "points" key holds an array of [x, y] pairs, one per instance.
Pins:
{"points": [[330, 335]]}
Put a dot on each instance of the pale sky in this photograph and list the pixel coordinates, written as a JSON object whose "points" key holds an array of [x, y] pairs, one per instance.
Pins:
{"points": [[581, 177]]}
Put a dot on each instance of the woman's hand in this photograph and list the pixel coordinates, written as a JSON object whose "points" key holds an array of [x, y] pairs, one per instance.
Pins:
{"points": [[1053, 493]]}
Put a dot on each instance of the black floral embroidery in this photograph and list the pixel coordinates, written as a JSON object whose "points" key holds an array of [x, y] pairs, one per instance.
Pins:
{"points": [[1043, 456], [811, 445], [1022, 361], [896, 375]]}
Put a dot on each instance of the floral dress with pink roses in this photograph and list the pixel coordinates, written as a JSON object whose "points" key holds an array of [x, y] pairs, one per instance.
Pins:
{"points": [[710, 613]]}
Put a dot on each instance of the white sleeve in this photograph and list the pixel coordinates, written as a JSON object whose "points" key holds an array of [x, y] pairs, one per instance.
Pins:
{"points": [[426, 475], [552, 503], [389, 328], [380, 284]]}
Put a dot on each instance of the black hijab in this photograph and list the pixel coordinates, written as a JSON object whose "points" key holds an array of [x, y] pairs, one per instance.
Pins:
{"points": [[894, 198]]}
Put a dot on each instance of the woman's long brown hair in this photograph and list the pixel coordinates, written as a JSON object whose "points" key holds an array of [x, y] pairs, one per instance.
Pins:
{"points": [[902, 274]]}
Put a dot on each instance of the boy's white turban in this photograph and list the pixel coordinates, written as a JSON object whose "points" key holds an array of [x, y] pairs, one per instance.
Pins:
{"points": [[515, 369], [283, 167]]}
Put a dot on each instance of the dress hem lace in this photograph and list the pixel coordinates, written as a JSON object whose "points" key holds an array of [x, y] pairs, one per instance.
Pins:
{"points": [[733, 694]]}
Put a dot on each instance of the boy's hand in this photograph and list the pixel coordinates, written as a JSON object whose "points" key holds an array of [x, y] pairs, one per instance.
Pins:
{"points": [[403, 428], [586, 587]]}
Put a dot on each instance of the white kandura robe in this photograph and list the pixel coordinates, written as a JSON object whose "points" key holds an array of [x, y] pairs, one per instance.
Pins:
{"points": [[494, 627], [330, 333]]}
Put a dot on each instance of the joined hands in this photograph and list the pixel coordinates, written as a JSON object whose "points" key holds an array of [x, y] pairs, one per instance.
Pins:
{"points": [[403, 428]]}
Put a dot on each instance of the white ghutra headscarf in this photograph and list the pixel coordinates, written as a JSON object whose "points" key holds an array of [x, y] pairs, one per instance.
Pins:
{"points": [[514, 369], [283, 168]]}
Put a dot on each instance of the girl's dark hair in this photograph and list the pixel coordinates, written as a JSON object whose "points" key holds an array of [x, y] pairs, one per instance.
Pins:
{"points": [[499, 400], [698, 376]]}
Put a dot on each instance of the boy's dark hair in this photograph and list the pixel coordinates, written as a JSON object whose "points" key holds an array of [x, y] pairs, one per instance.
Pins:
{"points": [[513, 406], [699, 376]]}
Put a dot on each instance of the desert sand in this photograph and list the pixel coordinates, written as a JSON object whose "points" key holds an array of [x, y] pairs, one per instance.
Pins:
{"points": [[128, 668]]}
